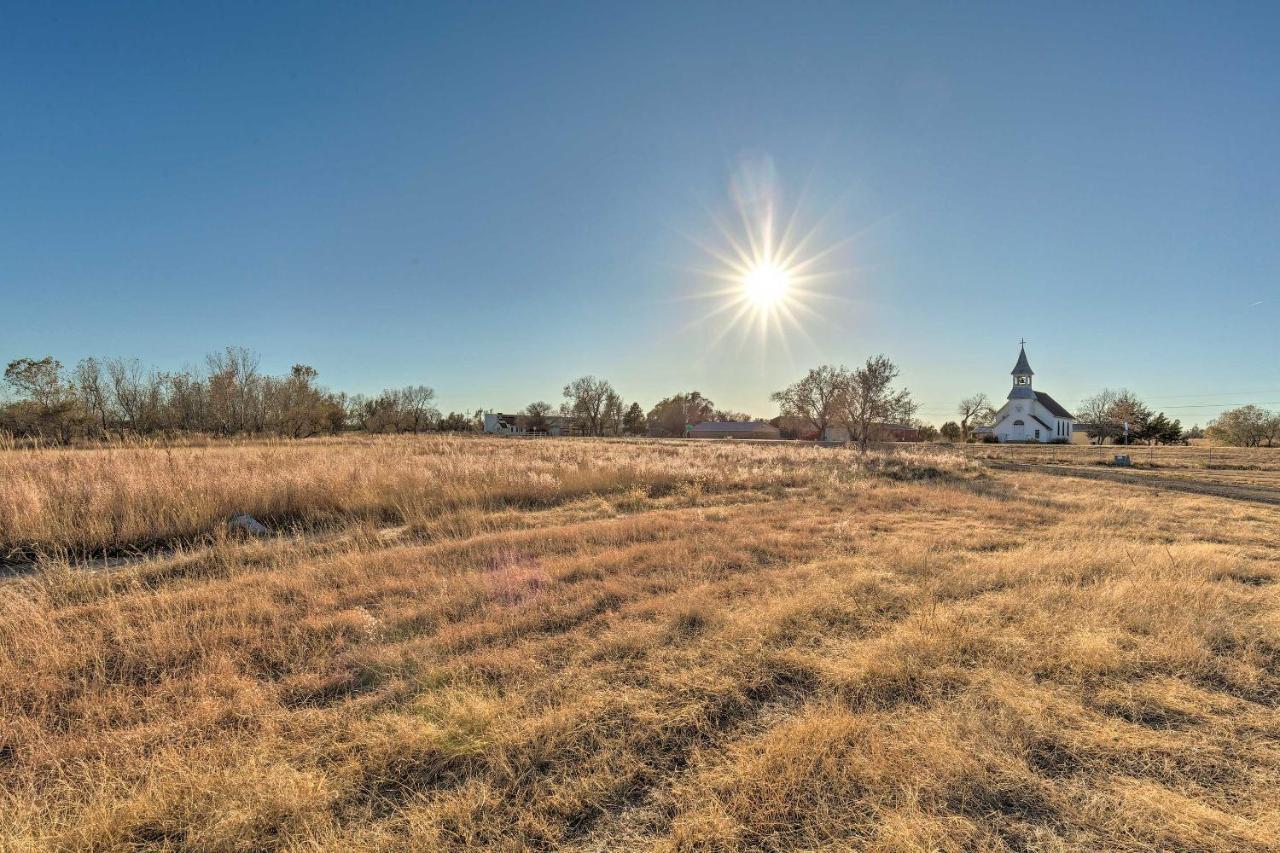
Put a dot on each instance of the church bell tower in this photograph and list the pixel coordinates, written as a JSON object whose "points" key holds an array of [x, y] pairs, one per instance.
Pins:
{"points": [[1022, 374]]}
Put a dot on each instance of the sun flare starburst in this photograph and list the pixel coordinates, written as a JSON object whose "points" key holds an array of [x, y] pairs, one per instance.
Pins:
{"points": [[766, 274]]}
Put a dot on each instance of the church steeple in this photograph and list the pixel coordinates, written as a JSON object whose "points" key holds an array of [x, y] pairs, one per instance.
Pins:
{"points": [[1022, 374], [1022, 368]]}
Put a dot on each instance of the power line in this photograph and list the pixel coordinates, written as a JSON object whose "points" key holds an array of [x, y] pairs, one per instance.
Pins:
{"points": [[1220, 405], [1218, 394]]}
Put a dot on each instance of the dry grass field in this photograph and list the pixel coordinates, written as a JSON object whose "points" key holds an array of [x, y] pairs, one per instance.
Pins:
{"points": [[1169, 457], [1239, 472], [590, 645]]}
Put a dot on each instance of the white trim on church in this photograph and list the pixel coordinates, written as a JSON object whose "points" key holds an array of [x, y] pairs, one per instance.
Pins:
{"points": [[1030, 415]]}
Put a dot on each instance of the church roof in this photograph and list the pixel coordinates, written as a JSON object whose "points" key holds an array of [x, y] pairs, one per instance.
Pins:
{"points": [[1054, 407], [1022, 367], [1042, 423]]}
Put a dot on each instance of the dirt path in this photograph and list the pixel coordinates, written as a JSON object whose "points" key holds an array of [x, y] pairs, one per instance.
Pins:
{"points": [[1266, 494]]}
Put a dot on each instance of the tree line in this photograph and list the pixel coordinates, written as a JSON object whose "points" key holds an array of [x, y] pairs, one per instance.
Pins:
{"points": [[591, 406], [229, 395], [1246, 426], [861, 400], [1107, 414]]}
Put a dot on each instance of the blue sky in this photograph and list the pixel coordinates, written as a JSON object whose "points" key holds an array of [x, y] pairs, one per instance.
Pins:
{"points": [[494, 199]]}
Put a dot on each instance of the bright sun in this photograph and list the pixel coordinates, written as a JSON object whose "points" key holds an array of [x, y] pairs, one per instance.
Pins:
{"points": [[768, 270], [765, 284]]}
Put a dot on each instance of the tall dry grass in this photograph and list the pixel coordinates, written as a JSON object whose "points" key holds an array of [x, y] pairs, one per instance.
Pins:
{"points": [[85, 501], [906, 655], [1178, 457]]}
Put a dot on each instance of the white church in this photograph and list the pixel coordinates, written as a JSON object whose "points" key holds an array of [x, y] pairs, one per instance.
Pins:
{"points": [[1030, 415]]}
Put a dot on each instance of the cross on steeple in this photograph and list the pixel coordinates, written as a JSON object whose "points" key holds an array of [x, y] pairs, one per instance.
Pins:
{"points": [[1022, 342]]}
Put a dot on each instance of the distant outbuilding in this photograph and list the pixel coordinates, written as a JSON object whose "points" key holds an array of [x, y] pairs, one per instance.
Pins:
{"points": [[734, 429]]}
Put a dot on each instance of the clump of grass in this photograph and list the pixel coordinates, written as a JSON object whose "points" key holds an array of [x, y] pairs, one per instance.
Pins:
{"points": [[689, 622], [632, 500]]}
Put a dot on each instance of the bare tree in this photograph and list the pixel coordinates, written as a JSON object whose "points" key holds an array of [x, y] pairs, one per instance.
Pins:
{"points": [[415, 403], [974, 411], [537, 416], [298, 408], [1129, 415], [1105, 414], [93, 391], [234, 388], [1270, 428], [586, 400], [187, 400], [128, 392], [612, 414], [815, 398], [357, 411], [870, 399], [1095, 414]]}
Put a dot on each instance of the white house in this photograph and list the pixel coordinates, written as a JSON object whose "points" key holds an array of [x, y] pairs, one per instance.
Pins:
{"points": [[1030, 415]]}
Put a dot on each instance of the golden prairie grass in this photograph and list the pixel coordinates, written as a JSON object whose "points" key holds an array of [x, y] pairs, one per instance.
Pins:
{"points": [[1190, 457], [86, 501], [729, 647]]}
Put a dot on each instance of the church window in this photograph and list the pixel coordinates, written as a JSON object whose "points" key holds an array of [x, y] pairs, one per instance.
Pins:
{"points": [[1037, 434], [1018, 423]]}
